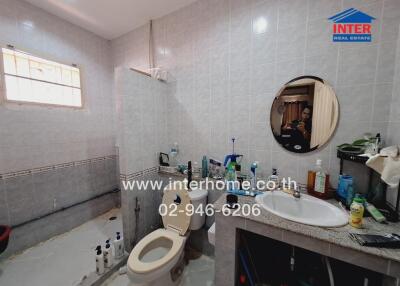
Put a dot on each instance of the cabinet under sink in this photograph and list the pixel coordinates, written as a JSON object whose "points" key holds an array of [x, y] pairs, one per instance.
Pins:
{"points": [[265, 261]]}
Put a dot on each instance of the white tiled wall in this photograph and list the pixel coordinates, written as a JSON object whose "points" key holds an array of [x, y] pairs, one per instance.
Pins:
{"points": [[142, 124], [394, 114], [226, 76], [40, 136]]}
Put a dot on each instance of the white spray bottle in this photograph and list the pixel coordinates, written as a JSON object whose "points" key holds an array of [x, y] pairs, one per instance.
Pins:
{"points": [[99, 261], [108, 257]]}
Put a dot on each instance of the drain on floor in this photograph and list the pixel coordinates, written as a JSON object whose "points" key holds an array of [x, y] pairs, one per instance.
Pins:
{"points": [[112, 218]]}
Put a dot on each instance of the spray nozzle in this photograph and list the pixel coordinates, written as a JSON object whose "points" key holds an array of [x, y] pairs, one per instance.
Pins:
{"points": [[254, 165], [98, 249], [118, 235]]}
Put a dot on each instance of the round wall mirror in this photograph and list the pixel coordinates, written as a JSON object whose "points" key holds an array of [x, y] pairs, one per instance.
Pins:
{"points": [[304, 114]]}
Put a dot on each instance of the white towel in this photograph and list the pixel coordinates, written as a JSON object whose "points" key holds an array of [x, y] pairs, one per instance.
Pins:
{"points": [[387, 163]]}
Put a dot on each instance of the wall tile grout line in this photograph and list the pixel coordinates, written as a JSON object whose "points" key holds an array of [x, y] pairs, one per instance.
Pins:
{"points": [[139, 174], [39, 170]]}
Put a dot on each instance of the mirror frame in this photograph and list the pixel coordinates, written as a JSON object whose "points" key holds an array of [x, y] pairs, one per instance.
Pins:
{"points": [[336, 119]]}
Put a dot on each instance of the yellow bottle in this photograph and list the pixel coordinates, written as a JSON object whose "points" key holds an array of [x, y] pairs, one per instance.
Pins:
{"points": [[356, 213]]}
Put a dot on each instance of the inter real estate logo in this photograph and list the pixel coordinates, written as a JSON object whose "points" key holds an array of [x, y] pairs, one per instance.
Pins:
{"points": [[352, 26]]}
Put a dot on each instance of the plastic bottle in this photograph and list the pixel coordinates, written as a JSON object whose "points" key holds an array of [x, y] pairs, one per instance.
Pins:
{"points": [[253, 174], [196, 170], [108, 257], [318, 181], [345, 181], [356, 212], [173, 155], [274, 177], [376, 214], [231, 178], [350, 195], [204, 167], [99, 261], [118, 246]]}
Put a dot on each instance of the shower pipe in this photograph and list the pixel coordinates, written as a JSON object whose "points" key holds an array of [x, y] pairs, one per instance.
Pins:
{"points": [[115, 191]]}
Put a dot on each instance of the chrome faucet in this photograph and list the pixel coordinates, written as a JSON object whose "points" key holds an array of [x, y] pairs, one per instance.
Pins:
{"points": [[296, 193]]}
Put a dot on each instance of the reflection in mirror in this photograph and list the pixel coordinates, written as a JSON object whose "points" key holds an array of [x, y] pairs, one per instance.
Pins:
{"points": [[304, 114]]}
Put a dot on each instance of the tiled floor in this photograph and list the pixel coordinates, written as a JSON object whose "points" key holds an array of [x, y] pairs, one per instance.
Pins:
{"points": [[62, 260], [199, 272]]}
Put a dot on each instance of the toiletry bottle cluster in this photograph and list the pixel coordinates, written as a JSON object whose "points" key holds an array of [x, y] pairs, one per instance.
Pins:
{"points": [[105, 258]]}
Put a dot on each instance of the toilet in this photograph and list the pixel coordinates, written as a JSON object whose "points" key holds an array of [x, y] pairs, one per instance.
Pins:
{"points": [[158, 258]]}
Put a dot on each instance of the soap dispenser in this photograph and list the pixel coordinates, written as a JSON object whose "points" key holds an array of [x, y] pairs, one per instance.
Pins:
{"points": [[118, 246], [108, 257]]}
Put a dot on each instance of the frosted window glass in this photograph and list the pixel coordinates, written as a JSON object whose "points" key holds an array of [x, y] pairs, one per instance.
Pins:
{"points": [[32, 79]]}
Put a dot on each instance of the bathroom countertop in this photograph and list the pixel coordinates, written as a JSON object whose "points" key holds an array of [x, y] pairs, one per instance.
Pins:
{"points": [[337, 236]]}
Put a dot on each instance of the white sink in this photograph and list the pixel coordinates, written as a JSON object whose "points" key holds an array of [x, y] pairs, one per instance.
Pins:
{"points": [[306, 209]]}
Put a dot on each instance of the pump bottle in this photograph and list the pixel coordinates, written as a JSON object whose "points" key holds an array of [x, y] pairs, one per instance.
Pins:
{"points": [[99, 261], [118, 246]]}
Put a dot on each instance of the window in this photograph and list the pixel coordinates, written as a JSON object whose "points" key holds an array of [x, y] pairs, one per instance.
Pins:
{"points": [[36, 80]]}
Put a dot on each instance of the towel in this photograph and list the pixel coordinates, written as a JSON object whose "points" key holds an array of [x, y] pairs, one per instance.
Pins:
{"points": [[387, 164]]}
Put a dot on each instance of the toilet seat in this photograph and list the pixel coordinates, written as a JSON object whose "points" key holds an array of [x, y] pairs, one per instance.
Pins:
{"points": [[158, 238]]}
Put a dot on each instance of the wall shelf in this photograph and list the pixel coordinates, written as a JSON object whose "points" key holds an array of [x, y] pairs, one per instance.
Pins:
{"points": [[391, 214]]}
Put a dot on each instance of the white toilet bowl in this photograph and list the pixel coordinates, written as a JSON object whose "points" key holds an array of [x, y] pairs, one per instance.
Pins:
{"points": [[157, 260], [153, 258]]}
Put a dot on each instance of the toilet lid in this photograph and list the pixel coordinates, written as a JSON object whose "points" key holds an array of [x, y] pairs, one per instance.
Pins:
{"points": [[177, 218]]}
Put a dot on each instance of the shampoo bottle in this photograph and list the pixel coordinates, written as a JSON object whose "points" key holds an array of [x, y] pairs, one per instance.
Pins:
{"points": [[108, 257], [119, 246], [99, 261]]}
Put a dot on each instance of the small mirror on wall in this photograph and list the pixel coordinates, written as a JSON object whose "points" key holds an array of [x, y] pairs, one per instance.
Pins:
{"points": [[304, 114]]}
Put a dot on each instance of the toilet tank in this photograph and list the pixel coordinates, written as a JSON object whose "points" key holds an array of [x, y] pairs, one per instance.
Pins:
{"points": [[197, 197]]}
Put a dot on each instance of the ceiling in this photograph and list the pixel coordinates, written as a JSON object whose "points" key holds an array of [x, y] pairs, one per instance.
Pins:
{"points": [[110, 18]]}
